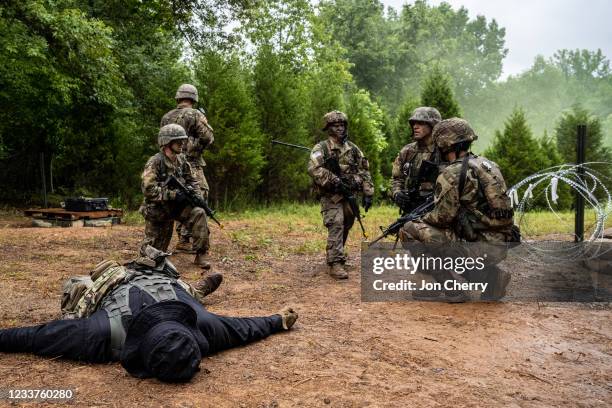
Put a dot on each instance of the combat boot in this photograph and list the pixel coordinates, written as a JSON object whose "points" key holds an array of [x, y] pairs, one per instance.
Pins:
{"points": [[184, 246], [337, 271], [456, 296], [289, 317], [496, 289], [201, 261], [209, 284], [426, 295]]}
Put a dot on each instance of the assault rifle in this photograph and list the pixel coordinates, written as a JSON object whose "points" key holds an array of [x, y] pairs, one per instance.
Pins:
{"points": [[394, 228], [193, 198], [332, 164]]}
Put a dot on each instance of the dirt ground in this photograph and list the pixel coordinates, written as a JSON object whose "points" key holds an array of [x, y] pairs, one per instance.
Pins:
{"points": [[341, 353]]}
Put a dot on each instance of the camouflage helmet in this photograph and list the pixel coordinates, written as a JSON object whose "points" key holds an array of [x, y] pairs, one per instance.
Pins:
{"points": [[187, 91], [334, 117], [451, 131], [427, 115], [170, 133]]}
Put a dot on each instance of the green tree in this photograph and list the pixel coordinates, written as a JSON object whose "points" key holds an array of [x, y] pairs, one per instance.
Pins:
{"points": [[60, 85], [398, 133], [327, 79], [550, 87], [365, 123], [437, 92], [370, 40], [236, 158], [516, 151], [566, 131]]}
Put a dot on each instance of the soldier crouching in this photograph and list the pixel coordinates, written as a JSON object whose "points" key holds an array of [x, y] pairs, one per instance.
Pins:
{"points": [[471, 204]]}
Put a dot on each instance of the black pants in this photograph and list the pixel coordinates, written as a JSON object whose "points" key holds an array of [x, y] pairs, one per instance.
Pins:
{"points": [[89, 339]]}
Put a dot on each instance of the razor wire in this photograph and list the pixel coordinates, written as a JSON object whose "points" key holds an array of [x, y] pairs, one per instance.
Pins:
{"points": [[583, 179]]}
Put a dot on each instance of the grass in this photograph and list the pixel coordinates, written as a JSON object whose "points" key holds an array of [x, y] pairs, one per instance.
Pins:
{"points": [[297, 218], [546, 222]]}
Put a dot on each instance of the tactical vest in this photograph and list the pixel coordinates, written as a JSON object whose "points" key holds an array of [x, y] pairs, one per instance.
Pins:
{"points": [[110, 291], [327, 154], [82, 294], [117, 303], [162, 169], [414, 179], [181, 116], [494, 209]]}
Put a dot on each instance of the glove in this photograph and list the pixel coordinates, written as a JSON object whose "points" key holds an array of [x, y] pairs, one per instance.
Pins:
{"points": [[367, 203], [342, 188], [401, 199], [180, 198]]}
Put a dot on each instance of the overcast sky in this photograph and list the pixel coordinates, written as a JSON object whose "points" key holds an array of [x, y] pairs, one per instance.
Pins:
{"points": [[541, 26]]}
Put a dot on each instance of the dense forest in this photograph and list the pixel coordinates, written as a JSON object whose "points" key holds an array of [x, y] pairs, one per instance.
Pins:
{"points": [[83, 85]]}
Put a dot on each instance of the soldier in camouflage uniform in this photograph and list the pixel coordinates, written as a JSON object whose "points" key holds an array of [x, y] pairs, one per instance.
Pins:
{"points": [[162, 205], [355, 177], [200, 136], [408, 191], [471, 204], [470, 195]]}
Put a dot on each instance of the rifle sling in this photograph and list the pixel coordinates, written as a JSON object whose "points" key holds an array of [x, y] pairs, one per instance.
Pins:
{"points": [[463, 175]]}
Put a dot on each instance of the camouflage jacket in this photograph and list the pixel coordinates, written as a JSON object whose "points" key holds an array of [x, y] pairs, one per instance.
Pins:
{"points": [[199, 132], [450, 208], [156, 173], [406, 167], [354, 168]]}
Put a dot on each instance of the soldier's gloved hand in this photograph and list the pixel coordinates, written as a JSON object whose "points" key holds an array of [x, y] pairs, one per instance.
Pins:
{"points": [[341, 187], [367, 203], [401, 199], [180, 198]]}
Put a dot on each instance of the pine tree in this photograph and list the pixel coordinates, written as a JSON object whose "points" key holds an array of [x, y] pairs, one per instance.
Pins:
{"points": [[516, 151], [437, 92], [365, 123], [566, 136], [236, 158]]}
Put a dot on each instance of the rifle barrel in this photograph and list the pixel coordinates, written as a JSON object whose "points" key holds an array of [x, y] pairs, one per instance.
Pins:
{"points": [[291, 145]]}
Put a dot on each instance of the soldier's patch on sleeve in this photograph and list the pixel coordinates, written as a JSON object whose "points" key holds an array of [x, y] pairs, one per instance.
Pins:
{"points": [[316, 155]]}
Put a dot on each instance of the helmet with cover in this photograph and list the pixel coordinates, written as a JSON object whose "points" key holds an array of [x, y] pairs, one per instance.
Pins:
{"points": [[186, 91], [425, 114], [334, 117], [170, 133], [451, 132]]}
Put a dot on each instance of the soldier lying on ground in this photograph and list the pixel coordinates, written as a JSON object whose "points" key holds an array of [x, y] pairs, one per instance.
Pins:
{"points": [[147, 318]]}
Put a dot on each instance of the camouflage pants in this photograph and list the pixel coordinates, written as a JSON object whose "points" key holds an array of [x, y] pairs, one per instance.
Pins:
{"points": [[182, 230], [423, 232], [338, 218], [158, 230]]}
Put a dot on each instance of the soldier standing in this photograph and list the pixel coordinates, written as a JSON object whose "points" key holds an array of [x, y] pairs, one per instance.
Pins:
{"points": [[409, 185], [200, 136], [471, 204], [163, 205], [332, 188]]}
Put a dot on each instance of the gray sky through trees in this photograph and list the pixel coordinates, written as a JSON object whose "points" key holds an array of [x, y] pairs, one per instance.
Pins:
{"points": [[541, 26]]}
